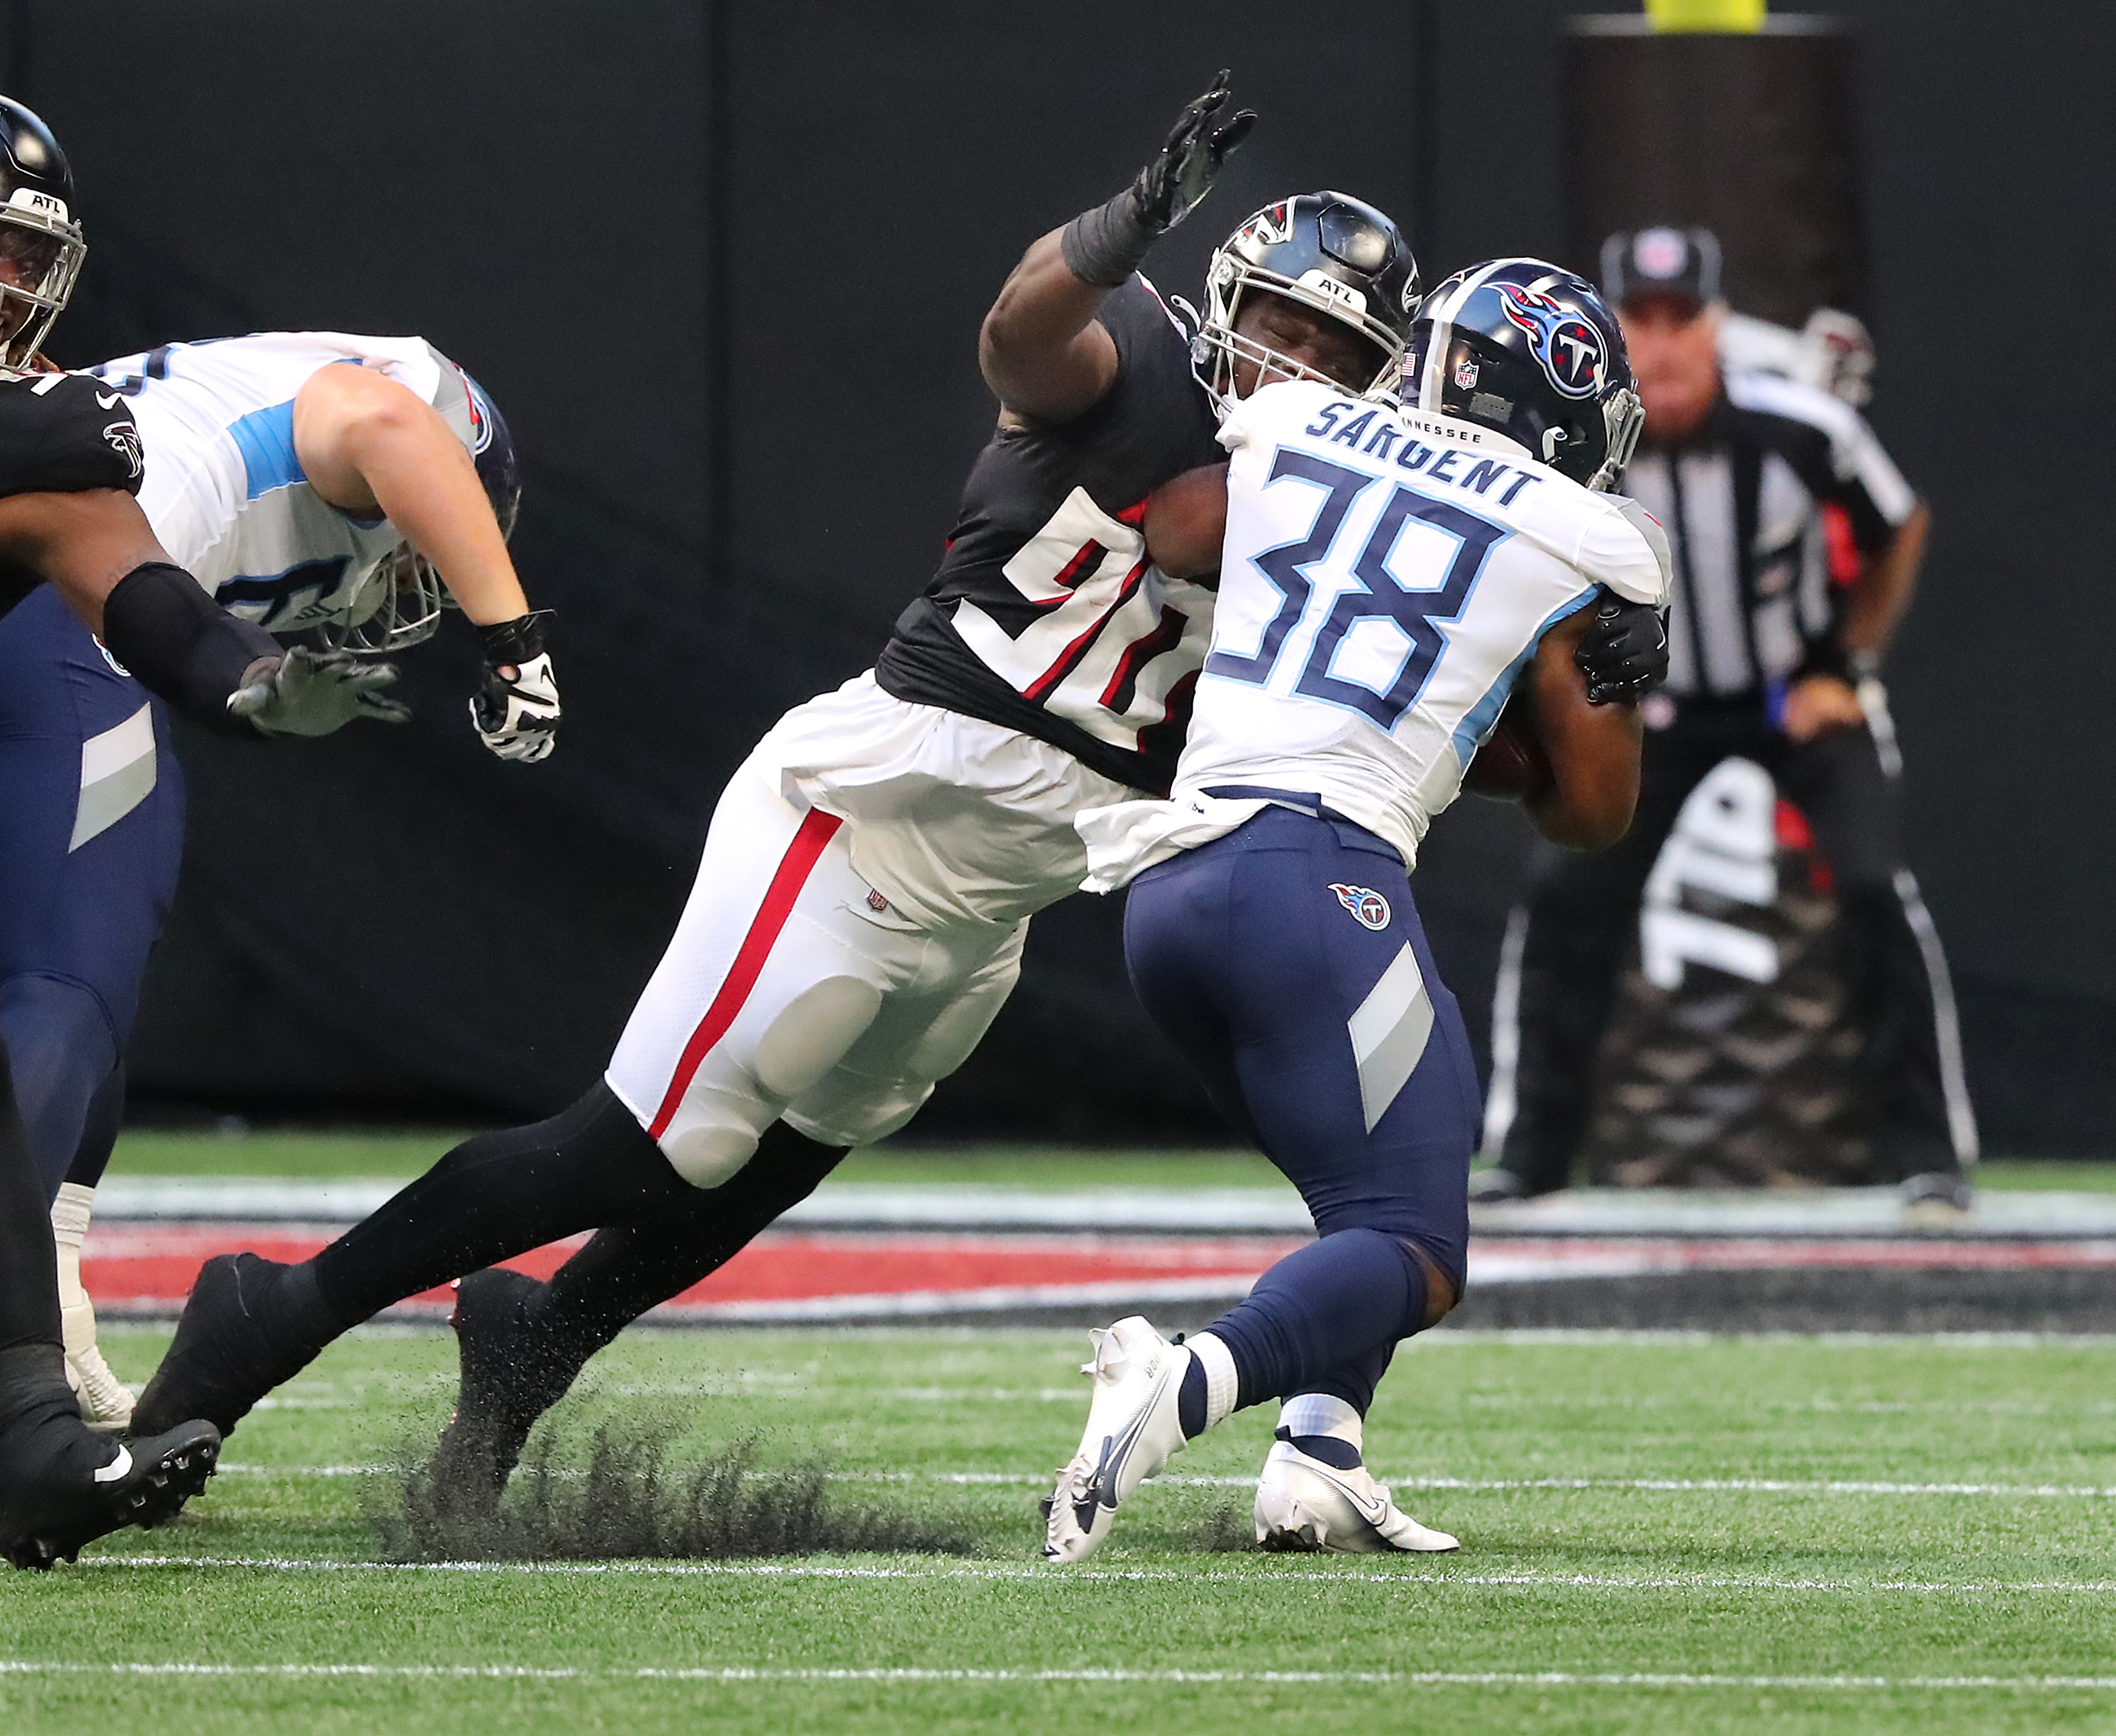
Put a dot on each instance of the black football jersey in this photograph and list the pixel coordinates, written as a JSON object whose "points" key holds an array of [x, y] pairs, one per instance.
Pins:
{"points": [[61, 433], [1046, 616]]}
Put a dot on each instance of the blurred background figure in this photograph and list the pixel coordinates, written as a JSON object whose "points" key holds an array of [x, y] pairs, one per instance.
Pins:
{"points": [[1796, 545]]}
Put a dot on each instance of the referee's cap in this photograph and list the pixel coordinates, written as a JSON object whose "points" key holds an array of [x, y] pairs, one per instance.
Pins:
{"points": [[1662, 263]]}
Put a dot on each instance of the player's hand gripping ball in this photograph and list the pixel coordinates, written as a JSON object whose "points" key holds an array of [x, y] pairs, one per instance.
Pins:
{"points": [[1511, 764]]}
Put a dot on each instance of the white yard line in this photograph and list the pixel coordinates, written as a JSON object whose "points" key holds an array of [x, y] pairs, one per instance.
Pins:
{"points": [[1647, 1486], [1295, 1677], [1330, 1574]]}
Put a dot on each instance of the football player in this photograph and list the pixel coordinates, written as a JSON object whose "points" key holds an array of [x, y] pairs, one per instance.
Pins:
{"points": [[70, 466], [1388, 580], [314, 482], [859, 911]]}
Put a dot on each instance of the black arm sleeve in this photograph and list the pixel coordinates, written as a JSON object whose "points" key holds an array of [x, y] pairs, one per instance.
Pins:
{"points": [[181, 644]]}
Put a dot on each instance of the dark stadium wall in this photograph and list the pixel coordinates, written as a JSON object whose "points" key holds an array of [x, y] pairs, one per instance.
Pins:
{"points": [[721, 263]]}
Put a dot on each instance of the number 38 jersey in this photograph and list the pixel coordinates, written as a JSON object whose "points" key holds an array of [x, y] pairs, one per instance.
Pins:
{"points": [[1385, 576], [1046, 616]]}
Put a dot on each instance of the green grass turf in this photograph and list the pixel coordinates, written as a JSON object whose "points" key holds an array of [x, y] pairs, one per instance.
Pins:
{"points": [[322, 1155], [1774, 1592]]}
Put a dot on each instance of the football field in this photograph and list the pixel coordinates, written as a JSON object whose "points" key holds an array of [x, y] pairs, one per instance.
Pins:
{"points": [[1660, 1533]]}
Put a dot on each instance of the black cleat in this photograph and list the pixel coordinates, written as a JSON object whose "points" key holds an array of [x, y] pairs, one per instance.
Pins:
{"points": [[238, 1339], [66, 1485], [510, 1374]]}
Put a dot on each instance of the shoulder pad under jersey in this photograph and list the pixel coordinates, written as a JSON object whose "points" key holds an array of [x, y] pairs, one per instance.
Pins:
{"points": [[63, 433]]}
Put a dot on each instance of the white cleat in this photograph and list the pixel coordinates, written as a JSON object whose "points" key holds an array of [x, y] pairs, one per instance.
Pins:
{"points": [[1133, 1429], [1302, 1503], [106, 1401]]}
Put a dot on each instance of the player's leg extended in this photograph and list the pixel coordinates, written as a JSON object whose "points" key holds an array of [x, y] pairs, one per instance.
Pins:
{"points": [[1286, 961], [523, 1343], [731, 1026]]}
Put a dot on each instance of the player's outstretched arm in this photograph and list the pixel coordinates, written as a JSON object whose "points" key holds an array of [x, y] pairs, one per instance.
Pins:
{"points": [[95, 547], [1592, 749], [1043, 351], [1186, 521], [373, 447]]}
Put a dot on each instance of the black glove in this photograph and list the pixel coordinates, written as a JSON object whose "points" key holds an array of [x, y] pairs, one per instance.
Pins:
{"points": [[1104, 247], [312, 692], [1624, 654], [517, 707]]}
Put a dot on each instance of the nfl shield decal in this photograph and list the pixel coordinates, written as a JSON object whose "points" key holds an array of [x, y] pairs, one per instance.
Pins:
{"points": [[1370, 908]]}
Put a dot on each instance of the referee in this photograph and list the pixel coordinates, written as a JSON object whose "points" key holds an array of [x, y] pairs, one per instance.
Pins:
{"points": [[1764, 487]]}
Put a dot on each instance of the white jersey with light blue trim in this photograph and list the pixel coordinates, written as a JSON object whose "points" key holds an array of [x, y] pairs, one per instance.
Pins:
{"points": [[223, 488], [1385, 576]]}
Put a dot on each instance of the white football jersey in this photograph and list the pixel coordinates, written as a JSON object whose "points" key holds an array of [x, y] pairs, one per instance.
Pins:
{"points": [[1385, 576], [223, 488]]}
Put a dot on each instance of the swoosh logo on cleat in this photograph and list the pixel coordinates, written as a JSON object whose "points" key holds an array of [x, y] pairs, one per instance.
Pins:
{"points": [[118, 1469], [1372, 1512]]}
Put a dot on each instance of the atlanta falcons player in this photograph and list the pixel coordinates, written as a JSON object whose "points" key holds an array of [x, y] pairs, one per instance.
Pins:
{"points": [[860, 908], [70, 466], [1387, 578]]}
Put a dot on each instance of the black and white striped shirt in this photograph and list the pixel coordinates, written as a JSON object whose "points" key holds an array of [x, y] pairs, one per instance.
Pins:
{"points": [[1742, 505]]}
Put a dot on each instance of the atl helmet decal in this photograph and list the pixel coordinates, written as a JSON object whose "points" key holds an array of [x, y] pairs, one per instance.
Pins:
{"points": [[1368, 906], [1571, 351]]}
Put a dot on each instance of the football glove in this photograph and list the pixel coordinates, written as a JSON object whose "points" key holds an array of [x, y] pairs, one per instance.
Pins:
{"points": [[1624, 653], [516, 707], [1103, 246], [312, 692]]}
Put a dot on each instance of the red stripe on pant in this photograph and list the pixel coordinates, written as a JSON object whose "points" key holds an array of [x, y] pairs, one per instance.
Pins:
{"points": [[816, 831]]}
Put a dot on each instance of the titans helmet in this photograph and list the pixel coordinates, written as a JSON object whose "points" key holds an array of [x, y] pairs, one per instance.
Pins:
{"points": [[1527, 348], [41, 246], [399, 599], [1326, 250]]}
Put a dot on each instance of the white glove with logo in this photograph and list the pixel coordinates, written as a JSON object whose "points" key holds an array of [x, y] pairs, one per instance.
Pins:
{"points": [[312, 692], [517, 708]]}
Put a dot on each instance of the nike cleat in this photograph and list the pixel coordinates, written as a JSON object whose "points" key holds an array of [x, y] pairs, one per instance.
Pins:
{"points": [[233, 1344], [510, 1376], [1133, 1429], [1303, 1504], [66, 1486]]}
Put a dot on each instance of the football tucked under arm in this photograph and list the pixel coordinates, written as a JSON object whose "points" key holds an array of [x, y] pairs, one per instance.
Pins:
{"points": [[1186, 520], [1511, 765]]}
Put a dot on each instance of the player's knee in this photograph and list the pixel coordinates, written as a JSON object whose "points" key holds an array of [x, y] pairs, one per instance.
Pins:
{"points": [[1442, 1288], [705, 1153]]}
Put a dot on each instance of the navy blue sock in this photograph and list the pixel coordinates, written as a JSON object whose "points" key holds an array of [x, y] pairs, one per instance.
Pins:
{"points": [[1341, 1454], [1331, 1303]]}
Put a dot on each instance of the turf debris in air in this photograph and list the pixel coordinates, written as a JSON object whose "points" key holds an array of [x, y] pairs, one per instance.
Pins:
{"points": [[626, 1499]]}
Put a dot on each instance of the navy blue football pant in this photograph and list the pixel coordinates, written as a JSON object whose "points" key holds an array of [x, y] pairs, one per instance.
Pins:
{"points": [[91, 835], [1287, 962]]}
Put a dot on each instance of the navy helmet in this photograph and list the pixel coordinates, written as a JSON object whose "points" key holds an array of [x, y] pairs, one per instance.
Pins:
{"points": [[1523, 347], [399, 601], [1327, 250], [41, 245]]}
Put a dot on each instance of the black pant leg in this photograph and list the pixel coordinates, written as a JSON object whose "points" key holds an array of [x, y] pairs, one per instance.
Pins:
{"points": [[1838, 782], [29, 1263], [1583, 912]]}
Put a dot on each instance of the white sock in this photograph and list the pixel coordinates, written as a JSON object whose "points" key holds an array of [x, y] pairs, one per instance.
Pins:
{"points": [[1220, 1380], [1322, 1413], [70, 1214]]}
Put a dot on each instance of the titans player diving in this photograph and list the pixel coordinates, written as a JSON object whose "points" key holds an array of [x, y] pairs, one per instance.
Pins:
{"points": [[865, 889], [314, 482], [1387, 580], [70, 466]]}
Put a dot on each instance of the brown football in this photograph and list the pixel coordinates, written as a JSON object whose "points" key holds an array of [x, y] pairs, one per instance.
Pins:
{"points": [[1511, 763]]}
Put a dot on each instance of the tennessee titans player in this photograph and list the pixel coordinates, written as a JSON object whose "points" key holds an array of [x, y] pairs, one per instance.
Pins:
{"points": [[314, 482], [1389, 581], [70, 466]]}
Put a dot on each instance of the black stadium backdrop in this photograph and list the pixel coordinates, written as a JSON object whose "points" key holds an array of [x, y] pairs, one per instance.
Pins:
{"points": [[721, 263]]}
